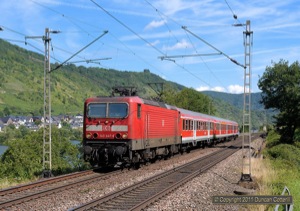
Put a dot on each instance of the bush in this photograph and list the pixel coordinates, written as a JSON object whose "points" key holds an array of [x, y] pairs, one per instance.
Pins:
{"points": [[272, 139], [286, 152], [297, 137]]}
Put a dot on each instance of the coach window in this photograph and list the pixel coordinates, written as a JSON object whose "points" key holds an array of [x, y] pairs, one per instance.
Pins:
{"points": [[139, 110]]}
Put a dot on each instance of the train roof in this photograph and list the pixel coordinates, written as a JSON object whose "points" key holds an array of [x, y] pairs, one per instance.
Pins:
{"points": [[204, 116], [186, 112]]}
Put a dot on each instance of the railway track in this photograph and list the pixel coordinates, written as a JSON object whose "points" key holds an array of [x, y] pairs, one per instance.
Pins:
{"points": [[144, 193], [24, 193], [19, 194]]}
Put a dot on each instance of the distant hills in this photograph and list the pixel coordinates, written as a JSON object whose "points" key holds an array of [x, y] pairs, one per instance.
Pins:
{"points": [[21, 87], [231, 105], [237, 100]]}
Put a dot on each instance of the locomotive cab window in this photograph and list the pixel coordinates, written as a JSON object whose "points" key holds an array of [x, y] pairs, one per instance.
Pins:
{"points": [[96, 110], [117, 110], [104, 110]]}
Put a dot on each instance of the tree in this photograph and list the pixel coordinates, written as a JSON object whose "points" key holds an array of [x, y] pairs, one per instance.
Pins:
{"points": [[280, 85], [6, 111], [191, 99], [24, 157]]}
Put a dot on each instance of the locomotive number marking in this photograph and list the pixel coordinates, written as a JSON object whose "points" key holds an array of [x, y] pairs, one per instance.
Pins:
{"points": [[106, 136]]}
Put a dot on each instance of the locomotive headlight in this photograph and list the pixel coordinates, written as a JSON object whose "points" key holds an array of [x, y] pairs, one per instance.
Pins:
{"points": [[88, 135], [118, 136], [124, 136]]}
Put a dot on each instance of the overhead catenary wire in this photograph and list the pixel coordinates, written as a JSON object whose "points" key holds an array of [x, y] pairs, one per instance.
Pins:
{"points": [[127, 27], [38, 49], [182, 56], [133, 53], [221, 52], [158, 50], [163, 18], [26, 42], [234, 15], [64, 50], [70, 18], [206, 63], [64, 16], [58, 66]]}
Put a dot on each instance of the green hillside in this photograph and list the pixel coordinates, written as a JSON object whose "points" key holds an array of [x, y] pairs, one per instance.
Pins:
{"points": [[22, 92], [22, 77]]}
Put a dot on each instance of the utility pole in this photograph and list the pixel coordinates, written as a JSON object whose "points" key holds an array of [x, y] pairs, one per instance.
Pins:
{"points": [[47, 157], [246, 159]]}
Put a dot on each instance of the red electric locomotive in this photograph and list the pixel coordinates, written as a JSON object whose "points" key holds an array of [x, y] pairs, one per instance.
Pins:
{"points": [[126, 130]]}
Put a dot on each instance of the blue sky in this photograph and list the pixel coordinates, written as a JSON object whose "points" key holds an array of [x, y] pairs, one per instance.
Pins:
{"points": [[142, 31]]}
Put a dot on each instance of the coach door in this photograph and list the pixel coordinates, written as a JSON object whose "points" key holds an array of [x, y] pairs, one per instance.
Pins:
{"points": [[211, 129], [146, 127], [194, 130]]}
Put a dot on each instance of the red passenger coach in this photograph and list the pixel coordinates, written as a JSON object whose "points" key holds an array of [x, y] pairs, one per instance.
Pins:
{"points": [[120, 131], [201, 129]]}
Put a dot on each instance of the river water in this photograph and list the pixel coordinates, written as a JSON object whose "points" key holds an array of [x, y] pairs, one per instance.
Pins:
{"points": [[3, 149]]}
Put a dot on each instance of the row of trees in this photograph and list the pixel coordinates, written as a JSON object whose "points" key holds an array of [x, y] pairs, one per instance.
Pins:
{"points": [[190, 99]]}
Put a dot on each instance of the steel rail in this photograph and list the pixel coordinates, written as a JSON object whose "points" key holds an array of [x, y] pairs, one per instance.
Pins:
{"points": [[47, 191], [39, 183], [140, 195]]}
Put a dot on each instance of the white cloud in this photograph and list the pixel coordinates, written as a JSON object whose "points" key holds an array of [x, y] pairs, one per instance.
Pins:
{"points": [[207, 88], [155, 43], [179, 45], [218, 89], [203, 88], [155, 24], [235, 89]]}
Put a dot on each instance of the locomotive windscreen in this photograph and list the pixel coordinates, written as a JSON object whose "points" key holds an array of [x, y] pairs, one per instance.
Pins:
{"points": [[107, 110], [96, 110], [117, 110]]}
